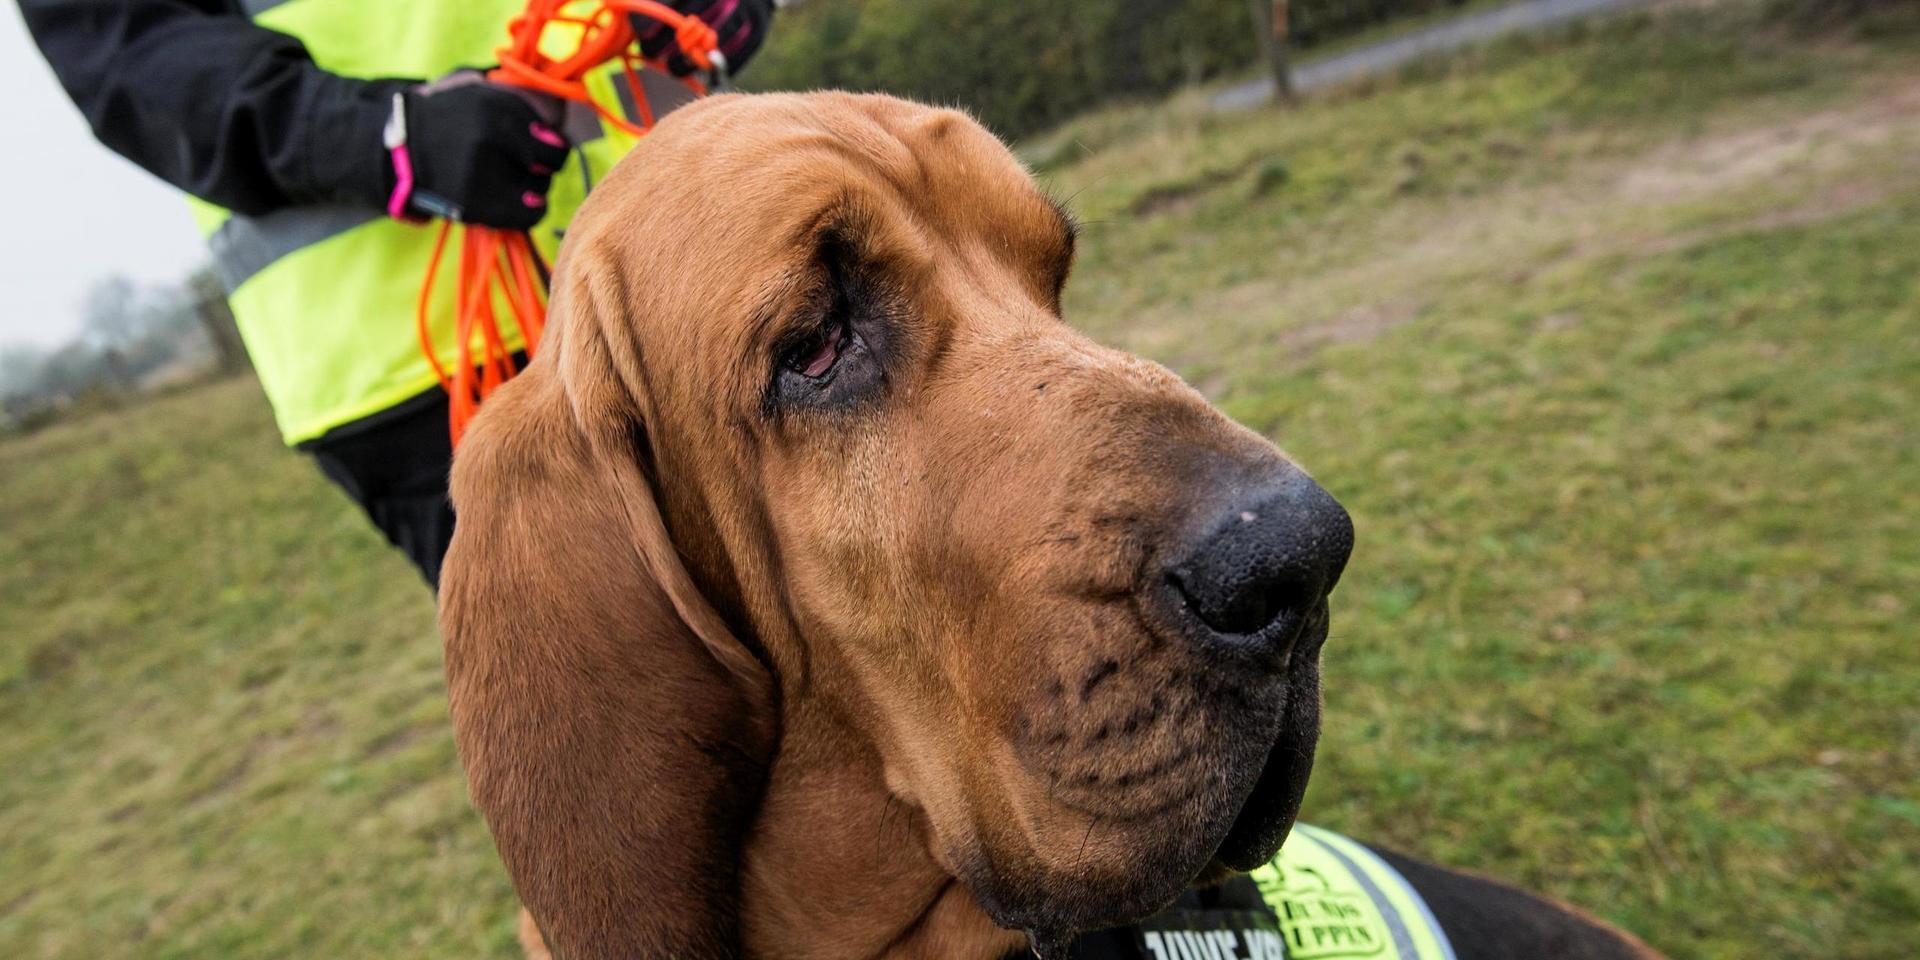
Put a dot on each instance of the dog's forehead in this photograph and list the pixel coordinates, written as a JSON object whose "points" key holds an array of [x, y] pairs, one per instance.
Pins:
{"points": [[790, 155], [698, 239]]}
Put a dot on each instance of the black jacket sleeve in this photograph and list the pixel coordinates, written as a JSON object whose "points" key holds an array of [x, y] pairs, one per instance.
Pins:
{"points": [[228, 111]]}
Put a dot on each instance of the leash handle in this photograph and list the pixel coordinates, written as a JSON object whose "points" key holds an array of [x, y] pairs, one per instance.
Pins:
{"points": [[502, 265], [607, 35]]}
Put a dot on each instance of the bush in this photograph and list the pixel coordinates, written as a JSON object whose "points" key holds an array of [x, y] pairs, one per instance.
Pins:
{"points": [[1020, 67], [1824, 15]]}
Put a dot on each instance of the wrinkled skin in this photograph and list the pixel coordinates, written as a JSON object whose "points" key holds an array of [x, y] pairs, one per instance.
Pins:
{"points": [[898, 640]]}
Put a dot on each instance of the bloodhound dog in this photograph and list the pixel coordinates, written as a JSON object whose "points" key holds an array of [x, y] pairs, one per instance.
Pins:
{"points": [[819, 593]]}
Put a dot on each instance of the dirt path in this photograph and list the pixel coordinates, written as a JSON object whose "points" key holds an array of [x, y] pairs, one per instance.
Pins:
{"points": [[1740, 175], [1386, 55]]}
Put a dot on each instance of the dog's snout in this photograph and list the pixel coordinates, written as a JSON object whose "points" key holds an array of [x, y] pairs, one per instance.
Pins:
{"points": [[1267, 564]]}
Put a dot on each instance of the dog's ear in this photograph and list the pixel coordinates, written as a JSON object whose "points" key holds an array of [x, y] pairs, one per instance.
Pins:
{"points": [[615, 734]]}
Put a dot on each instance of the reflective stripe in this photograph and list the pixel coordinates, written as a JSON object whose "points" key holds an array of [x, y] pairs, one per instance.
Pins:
{"points": [[1383, 869], [664, 94], [1396, 928], [1433, 922], [244, 246], [629, 107]]}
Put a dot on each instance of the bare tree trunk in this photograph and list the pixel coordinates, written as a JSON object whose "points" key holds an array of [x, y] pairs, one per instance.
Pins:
{"points": [[1270, 26], [210, 305]]}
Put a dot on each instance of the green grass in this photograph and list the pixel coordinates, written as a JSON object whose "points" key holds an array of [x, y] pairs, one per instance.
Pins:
{"points": [[222, 720], [1611, 343]]}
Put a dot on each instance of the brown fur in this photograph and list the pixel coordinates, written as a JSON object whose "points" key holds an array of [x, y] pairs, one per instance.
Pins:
{"points": [[737, 678]]}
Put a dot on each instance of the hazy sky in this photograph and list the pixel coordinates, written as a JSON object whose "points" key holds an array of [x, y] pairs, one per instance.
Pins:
{"points": [[75, 211]]}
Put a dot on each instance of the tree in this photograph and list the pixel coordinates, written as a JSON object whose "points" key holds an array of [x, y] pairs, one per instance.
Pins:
{"points": [[216, 318], [1270, 29], [20, 366], [110, 317]]}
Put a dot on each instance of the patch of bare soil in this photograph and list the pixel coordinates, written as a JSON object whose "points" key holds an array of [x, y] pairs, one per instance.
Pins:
{"points": [[1812, 143], [1832, 203], [1353, 326]]}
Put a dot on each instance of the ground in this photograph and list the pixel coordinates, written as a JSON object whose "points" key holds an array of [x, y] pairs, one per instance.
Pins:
{"points": [[1609, 341]]}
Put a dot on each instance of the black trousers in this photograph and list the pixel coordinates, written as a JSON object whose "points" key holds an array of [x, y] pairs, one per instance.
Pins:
{"points": [[394, 464]]}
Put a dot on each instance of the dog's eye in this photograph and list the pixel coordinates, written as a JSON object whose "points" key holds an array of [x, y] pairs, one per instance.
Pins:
{"points": [[832, 360], [831, 367], [815, 357]]}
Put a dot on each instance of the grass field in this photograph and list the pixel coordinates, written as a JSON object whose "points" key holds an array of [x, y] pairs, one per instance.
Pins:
{"points": [[1610, 342]]}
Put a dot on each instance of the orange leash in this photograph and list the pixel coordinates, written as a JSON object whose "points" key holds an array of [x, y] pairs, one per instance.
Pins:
{"points": [[502, 265]]}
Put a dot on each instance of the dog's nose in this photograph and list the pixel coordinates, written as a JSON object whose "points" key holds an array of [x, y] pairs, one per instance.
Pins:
{"points": [[1267, 565]]}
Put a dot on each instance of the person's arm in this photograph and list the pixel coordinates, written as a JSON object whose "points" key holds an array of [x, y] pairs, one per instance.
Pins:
{"points": [[228, 111]]}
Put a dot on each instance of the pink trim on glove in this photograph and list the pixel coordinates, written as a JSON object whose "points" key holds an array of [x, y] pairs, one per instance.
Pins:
{"points": [[402, 182]]}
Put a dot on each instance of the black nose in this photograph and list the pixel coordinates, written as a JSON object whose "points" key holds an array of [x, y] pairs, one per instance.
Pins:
{"points": [[1267, 565]]}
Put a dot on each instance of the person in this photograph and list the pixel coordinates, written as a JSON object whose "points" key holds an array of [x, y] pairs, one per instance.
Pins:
{"points": [[274, 116]]}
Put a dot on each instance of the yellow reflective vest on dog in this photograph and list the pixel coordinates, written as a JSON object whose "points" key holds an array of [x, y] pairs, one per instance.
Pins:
{"points": [[1324, 897], [1335, 898], [325, 296]]}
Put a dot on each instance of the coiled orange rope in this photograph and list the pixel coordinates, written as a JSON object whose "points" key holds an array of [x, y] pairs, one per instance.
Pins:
{"points": [[503, 264]]}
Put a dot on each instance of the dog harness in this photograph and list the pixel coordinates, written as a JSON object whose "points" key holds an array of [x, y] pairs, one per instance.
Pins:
{"points": [[1324, 897]]}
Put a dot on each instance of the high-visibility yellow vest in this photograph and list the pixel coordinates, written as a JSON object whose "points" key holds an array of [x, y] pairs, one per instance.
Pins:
{"points": [[1323, 897], [1336, 900], [325, 296]]}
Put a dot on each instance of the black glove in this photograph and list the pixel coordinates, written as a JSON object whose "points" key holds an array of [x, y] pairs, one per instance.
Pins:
{"points": [[740, 24], [480, 154]]}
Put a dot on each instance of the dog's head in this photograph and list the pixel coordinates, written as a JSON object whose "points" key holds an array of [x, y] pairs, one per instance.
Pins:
{"points": [[810, 427]]}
